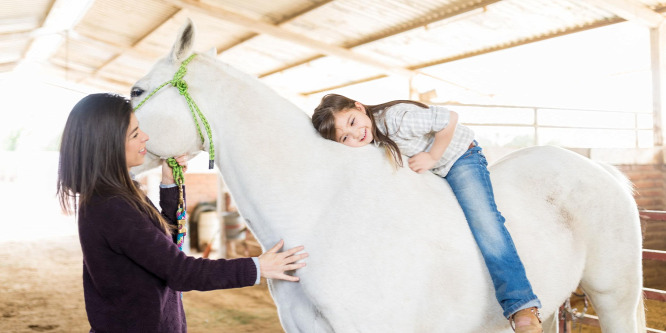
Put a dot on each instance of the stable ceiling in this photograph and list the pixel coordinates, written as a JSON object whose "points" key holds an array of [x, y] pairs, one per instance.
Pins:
{"points": [[303, 46]]}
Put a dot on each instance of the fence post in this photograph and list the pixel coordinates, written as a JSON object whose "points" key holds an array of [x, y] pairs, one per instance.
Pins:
{"points": [[536, 126]]}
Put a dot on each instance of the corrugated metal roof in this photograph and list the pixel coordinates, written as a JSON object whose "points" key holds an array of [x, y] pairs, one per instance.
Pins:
{"points": [[116, 41]]}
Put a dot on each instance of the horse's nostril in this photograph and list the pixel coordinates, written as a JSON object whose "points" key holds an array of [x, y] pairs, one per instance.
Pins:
{"points": [[136, 92]]}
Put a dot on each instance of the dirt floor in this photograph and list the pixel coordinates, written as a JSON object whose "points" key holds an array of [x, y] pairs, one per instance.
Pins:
{"points": [[41, 288], [655, 312]]}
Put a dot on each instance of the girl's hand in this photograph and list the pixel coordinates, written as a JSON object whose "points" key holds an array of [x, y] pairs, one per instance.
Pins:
{"points": [[273, 264], [422, 162], [167, 174]]}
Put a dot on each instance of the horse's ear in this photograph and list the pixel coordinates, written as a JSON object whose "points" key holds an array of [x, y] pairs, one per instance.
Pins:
{"points": [[182, 48]]}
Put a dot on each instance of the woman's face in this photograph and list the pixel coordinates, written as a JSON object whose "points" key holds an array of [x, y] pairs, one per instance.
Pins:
{"points": [[135, 143], [353, 127]]}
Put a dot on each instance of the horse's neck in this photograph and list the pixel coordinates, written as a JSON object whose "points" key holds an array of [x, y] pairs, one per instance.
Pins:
{"points": [[264, 145]]}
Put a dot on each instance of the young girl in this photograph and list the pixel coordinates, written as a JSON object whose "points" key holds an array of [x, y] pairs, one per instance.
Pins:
{"points": [[433, 139], [133, 272]]}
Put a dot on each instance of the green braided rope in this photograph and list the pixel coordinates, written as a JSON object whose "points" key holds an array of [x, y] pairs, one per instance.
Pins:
{"points": [[209, 132], [177, 171], [181, 85]]}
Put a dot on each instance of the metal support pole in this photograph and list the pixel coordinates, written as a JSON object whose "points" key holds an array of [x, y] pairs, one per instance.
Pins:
{"points": [[658, 64]]}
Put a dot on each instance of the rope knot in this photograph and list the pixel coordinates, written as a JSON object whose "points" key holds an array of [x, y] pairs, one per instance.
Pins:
{"points": [[181, 85], [177, 171]]}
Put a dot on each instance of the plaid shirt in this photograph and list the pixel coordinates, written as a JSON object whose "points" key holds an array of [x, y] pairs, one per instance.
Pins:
{"points": [[413, 129]]}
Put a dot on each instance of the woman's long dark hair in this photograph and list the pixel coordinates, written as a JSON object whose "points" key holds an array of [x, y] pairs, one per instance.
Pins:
{"points": [[92, 156], [323, 120]]}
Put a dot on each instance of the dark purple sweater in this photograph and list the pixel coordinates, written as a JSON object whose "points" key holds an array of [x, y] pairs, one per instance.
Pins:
{"points": [[133, 271]]}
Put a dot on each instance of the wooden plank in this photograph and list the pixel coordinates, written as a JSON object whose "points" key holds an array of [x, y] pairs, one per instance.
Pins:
{"points": [[655, 294], [490, 49], [424, 21], [296, 38], [654, 255], [589, 320], [593, 321], [630, 10], [287, 19], [654, 330], [656, 215]]}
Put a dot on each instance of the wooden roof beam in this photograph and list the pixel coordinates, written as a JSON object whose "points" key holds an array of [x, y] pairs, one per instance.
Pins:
{"points": [[277, 32], [287, 19], [62, 16], [630, 10], [131, 47], [474, 53], [435, 16]]}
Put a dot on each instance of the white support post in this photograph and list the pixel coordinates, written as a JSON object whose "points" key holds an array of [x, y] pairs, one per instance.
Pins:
{"points": [[221, 210], [658, 64]]}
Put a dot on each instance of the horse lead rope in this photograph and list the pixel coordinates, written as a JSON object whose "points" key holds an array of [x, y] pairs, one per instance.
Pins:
{"points": [[177, 169], [181, 212]]}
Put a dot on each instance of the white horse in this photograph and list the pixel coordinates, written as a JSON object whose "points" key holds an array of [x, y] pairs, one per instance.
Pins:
{"points": [[390, 251]]}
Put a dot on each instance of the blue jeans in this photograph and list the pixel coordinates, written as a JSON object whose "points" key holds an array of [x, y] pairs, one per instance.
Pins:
{"points": [[470, 180]]}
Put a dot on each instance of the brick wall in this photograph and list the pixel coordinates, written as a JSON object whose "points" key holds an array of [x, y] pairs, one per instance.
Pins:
{"points": [[201, 187], [650, 193], [649, 183]]}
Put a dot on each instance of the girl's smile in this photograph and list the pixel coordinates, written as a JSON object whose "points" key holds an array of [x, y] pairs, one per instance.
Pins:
{"points": [[353, 127]]}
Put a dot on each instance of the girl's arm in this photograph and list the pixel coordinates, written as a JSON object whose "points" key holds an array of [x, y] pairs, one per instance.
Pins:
{"points": [[424, 161], [443, 138]]}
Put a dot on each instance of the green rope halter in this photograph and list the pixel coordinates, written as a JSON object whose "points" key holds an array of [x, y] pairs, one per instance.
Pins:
{"points": [[180, 83], [176, 170]]}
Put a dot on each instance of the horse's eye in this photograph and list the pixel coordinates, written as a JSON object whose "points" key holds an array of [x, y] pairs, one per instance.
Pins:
{"points": [[136, 92]]}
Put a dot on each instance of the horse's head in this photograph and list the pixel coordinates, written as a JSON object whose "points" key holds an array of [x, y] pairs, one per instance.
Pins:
{"points": [[164, 114]]}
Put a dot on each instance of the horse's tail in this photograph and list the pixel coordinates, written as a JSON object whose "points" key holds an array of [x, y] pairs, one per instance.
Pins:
{"points": [[641, 326], [619, 176]]}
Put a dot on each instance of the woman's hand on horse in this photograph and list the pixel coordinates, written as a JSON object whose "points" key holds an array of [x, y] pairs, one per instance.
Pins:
{"points": [[273, 264], [167, 174]]}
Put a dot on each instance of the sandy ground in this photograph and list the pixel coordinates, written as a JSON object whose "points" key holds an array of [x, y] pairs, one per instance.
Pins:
{"points": [[41, 288]]}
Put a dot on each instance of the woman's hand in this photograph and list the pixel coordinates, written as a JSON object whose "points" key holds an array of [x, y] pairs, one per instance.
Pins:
{"points": [[167, 174], [273, 264], [422, 162]]}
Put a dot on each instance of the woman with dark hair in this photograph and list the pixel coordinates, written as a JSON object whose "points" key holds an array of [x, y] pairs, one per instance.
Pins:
{"points": [[133, 272]]}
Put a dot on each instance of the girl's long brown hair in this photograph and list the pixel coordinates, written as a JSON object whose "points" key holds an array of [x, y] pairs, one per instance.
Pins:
{"points": [[323, 120], [92, 157]]}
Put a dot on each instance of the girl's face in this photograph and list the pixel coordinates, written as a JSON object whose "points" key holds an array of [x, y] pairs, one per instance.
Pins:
{"points": [[135, 144], [353, 127]]}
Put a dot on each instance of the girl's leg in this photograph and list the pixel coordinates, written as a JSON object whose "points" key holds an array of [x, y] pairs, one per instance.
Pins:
{"points": [[470, 180]]}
